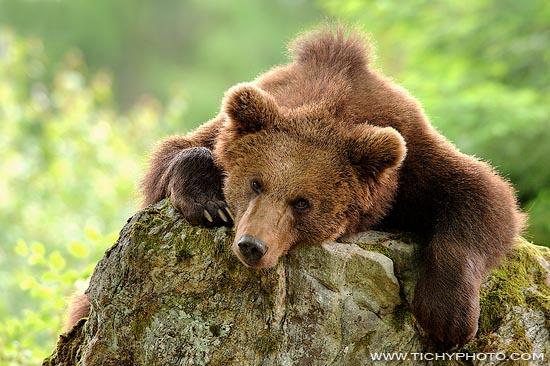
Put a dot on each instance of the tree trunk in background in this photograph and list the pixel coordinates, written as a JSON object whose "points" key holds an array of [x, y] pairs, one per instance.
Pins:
{"points": [[170, 294]]}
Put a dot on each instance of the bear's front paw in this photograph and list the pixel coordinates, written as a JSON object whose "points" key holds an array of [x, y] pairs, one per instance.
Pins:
{"points": [[203, 210], [448, 313], [195, 188]]}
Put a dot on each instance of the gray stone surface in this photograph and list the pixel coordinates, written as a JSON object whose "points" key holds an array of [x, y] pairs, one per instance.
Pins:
{"points": [[170, 294]]}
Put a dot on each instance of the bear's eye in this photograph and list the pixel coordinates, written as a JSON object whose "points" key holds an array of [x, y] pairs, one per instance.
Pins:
{"points": [[300, 204], [256, 186]]}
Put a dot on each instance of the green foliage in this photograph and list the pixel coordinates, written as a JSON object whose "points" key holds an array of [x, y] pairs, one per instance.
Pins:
{"points": [[69, 169], [162, 47]]}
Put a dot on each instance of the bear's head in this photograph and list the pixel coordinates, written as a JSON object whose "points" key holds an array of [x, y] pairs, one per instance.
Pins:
{"points": [[298, 176]]}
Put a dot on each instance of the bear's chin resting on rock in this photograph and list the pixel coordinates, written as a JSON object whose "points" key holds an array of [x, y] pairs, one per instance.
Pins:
{"points": [[326, 146]]}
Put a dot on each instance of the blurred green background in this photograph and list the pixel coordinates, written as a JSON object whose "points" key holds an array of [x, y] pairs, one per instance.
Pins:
{"points": [[87, 87]]}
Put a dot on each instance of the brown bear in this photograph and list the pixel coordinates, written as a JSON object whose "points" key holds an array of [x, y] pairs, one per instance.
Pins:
{"points": [[327, 146]]}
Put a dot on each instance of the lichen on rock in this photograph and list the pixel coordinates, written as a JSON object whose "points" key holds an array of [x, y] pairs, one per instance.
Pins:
{"points": [[171, 294]]}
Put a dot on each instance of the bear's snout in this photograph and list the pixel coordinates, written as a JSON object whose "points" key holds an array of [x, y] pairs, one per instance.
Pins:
{"points": [[252, 249], [263, 232]]}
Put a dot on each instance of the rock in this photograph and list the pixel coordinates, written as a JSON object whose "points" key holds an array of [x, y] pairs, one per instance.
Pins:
{"points": [[170, 294]]}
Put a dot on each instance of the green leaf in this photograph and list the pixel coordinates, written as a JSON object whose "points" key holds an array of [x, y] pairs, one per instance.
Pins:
{"points": [[78, 250], [27, 282], [21, 248], [92, 233], [37, 252], [56, 261]]}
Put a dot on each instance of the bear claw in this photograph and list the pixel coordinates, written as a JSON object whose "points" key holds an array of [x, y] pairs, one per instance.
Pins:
{"points": [[230, 214], [222, 215], [208, 216]]}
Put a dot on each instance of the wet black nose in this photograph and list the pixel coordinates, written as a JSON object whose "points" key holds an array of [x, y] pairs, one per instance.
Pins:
{"points": [[251, 248]]}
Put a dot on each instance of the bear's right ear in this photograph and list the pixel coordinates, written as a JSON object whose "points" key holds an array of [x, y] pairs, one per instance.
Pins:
{"points": [[249, 108], [375, 149]]}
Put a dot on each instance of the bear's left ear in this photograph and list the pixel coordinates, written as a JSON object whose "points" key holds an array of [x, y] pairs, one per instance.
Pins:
{"points": [[249, 108], [375, 149]]}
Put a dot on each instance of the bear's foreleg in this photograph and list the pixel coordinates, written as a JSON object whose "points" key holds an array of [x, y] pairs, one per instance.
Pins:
{"points": [[183, 169], [446, 297], [475, 222]]}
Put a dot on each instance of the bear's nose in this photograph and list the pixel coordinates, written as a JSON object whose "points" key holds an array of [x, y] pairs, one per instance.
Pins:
{"points": [[252, 249]]}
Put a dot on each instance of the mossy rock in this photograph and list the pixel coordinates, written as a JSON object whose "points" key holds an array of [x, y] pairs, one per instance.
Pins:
{"points": [[170, 294]]}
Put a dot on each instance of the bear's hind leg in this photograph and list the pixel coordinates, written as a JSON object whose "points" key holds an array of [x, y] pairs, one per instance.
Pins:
{"points": [[79, 308]]}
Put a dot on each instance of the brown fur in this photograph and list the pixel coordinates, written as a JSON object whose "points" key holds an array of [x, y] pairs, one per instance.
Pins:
{"points": [[330, 129], [79, 308]]}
